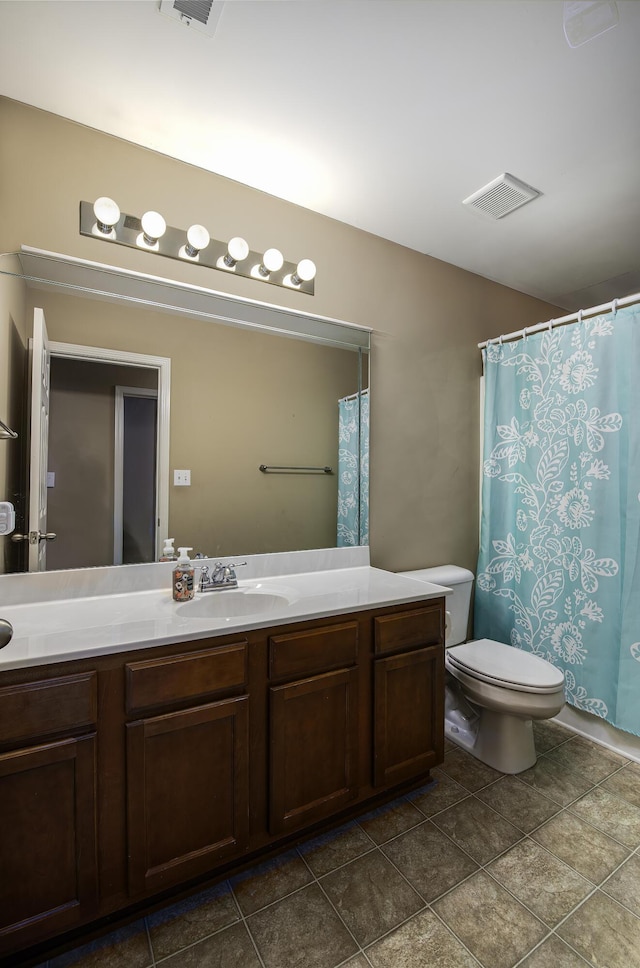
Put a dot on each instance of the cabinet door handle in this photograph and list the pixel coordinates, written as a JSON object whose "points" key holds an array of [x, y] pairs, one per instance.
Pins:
{"points": [[6, 632]]}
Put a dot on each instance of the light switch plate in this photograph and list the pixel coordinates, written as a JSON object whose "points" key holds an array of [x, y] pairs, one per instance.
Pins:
{"points": [[182, 478], [7, 517]]}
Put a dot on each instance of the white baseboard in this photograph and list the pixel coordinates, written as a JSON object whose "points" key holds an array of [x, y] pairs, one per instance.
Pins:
{"points": [[596, 729]]}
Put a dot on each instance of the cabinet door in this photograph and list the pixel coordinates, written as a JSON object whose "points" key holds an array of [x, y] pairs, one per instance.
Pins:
{"points": [[48, 865], [409, 714], [187, 792], [313, 749]]}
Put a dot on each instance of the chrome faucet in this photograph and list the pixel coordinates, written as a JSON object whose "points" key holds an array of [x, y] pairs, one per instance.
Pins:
{"points": [[223, 576]]}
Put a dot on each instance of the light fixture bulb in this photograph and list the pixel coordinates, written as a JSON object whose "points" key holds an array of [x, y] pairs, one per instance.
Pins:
{"points": [[197, 239], [305, 272], [153, 227], [237, 250], [107, 214], [272, 261]]}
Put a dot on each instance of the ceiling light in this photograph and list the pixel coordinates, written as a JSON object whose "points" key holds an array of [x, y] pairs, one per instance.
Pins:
{"points": [[197, 239], [272, 261], [153, 228], [107, 214], [103, 220], [237, 251], [305, 272]]}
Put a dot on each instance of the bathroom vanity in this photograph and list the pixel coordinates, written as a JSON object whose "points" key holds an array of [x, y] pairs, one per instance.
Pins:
{"points": [[146, 748]]}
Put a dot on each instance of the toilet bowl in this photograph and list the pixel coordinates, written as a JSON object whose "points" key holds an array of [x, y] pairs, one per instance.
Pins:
{"points": [[493, 691]]}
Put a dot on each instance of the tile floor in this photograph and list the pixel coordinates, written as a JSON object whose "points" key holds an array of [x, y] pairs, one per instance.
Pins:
{"points": [[541, 870]]}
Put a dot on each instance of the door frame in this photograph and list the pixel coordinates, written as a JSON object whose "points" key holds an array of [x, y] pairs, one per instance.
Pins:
{"points": [[162, 365], [118, 464]]}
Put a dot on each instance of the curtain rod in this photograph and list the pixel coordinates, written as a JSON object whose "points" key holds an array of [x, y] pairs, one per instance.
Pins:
{"points": [[562, 320], [354, 396]]}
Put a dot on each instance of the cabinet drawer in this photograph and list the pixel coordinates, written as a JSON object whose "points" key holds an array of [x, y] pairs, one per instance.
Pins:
{"points": [[193, 675], [307, 653], [38, 709], [408, 630]]}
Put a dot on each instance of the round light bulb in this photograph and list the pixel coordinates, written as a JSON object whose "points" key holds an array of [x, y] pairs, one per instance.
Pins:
{"points": [[197, 239], [306, 270], [106, 212], [273, 260], [238, 249], [153, 226]]}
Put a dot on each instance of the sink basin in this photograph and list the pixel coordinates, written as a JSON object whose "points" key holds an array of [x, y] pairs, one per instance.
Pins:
{"points": [[230, 604]]}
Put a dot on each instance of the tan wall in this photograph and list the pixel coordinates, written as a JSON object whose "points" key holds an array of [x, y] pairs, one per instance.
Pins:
{"points": [[238, 399], [427, 316]]}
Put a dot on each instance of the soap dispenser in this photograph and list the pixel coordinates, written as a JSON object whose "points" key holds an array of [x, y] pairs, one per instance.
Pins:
{"points": [[183, 585], [168, 552]]}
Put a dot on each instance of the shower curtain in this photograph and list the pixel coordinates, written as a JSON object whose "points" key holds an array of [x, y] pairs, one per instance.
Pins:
{"points": [[559, 563], [353, 470]]}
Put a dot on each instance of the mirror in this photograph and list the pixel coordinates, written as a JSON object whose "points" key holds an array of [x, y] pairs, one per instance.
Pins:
{"points": [[250, 385]]}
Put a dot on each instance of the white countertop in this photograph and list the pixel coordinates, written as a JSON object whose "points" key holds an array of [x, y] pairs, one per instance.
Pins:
{"points": [[73, 628]]}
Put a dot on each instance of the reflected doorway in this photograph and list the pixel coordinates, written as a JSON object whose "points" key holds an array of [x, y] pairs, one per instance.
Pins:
{"points": [[84, 496]]}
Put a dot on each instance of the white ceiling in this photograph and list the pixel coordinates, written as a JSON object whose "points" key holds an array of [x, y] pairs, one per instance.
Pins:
{"points": [[384, 114]]}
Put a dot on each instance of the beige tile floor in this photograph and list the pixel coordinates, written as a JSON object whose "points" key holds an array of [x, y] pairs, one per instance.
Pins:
{"points": [[541, 870]]}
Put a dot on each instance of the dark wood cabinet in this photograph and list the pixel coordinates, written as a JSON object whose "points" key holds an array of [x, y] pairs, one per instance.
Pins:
{"points": [[408, 694], [313, 749], [48, 830], [187, 769], [409, 729], [187, 792], [129, 776], [313, 725]]}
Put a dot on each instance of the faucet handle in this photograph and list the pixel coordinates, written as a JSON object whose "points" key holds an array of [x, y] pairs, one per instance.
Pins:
{"points": [[204, 576], [230, 569]]}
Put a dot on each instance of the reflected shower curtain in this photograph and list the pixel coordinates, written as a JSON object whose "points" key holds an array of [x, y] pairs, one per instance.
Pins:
{"points": [[559, 564], [353, 470]]}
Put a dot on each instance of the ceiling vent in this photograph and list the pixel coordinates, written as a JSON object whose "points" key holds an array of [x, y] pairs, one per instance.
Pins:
{"points": [[202, 15], [501, 196]]}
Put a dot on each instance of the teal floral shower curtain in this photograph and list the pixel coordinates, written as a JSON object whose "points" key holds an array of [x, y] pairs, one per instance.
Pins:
{"points": [[559, 563], [353, 470]]}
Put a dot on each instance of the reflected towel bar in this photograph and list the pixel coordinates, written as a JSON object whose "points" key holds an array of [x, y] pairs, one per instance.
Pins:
{"points": [[284, 469], [6, 433]]}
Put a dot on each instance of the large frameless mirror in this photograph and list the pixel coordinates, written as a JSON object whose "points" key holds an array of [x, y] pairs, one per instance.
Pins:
{"points": [[172, 411]]}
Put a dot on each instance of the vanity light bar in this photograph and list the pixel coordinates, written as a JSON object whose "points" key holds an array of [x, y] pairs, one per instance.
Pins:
{"points": [[103, 220]]}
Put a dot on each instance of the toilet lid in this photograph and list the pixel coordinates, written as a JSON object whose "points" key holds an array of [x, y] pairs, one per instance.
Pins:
{"points": [[505, 665]]}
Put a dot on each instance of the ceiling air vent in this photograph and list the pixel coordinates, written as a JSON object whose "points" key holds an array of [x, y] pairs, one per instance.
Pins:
{"points": [[202, 15], [501, 196]]}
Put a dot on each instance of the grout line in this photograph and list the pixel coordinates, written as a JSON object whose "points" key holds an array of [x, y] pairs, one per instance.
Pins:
{"points": [[342, 922], [243, 921], [240, 919], [151, 951], [458, 939]]}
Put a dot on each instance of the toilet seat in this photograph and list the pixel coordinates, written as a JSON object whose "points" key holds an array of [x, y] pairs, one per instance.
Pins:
{"points": [[503, 666]]}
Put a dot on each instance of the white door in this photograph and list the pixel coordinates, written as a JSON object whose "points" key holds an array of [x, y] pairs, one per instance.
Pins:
{"points": [[40, 370]]}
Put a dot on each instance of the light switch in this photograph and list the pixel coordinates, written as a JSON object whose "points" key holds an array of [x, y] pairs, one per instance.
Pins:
{"points": [[51, 478], [182, 478]]}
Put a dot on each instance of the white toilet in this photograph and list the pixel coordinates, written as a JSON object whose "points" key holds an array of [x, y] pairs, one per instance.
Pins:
{"points": [[493, 691]]}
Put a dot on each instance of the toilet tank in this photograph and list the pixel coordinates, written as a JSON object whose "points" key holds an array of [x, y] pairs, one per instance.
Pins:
{"points": [[460, 580]]}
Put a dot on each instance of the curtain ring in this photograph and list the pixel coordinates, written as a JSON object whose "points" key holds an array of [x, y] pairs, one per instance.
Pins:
{"points": [[614, 306], [500, 340], [580, 311], [525, 334], [551, 322]]}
